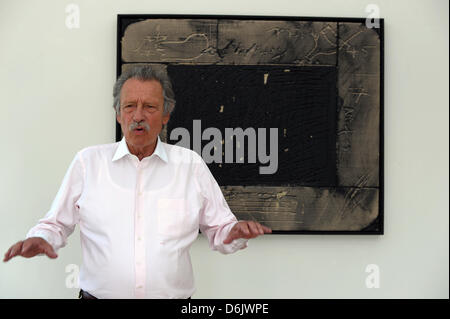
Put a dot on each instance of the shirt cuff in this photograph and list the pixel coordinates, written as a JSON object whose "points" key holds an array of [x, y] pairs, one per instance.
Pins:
{"points": [[239, 243], [44, 235]]}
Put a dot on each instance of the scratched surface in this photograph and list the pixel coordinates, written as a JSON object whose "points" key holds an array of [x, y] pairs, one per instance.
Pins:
{"points": [[277, 42], [305, 208], [358, 131], [171, 40], [353, 203], [230, 42]]}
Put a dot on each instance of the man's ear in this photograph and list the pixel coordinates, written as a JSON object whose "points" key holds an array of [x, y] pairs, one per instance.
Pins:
{"points": [[166, 118], [118, 118]]}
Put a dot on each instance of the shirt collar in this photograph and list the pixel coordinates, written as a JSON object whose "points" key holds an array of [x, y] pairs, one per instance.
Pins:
{"points": [[123, 150]]}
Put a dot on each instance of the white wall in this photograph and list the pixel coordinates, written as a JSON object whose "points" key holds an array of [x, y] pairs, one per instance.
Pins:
{"points": [[55, 98]]}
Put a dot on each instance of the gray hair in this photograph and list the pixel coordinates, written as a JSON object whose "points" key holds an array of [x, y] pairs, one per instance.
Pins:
{"points": [[146, 73]]}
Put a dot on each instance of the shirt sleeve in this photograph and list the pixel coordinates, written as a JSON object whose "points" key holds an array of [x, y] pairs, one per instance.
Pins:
{"points": [[61, 219], [216, 219]]}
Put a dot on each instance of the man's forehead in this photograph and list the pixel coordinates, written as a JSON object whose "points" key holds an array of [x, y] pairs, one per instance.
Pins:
{"points": [[137, 89]]}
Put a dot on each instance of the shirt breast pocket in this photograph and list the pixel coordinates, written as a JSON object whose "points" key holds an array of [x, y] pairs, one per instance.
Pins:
{"points": [[174, 218]]}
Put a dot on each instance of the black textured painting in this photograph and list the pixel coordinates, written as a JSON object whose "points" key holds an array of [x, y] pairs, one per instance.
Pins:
{"points": [[251, 97], [287, 112]]}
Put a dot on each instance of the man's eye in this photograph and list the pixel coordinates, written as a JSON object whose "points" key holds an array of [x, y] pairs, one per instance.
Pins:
{"points": [[128, 108]]}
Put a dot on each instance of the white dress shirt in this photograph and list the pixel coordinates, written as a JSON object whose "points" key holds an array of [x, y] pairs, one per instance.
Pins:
{"points": [[138, 219]]}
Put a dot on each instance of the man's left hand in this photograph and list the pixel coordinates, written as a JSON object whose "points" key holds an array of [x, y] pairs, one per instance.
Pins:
{"points": [[246, 229]]}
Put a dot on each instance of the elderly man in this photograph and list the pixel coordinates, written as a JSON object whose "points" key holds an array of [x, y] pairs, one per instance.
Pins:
{"points": [[139, 204]]}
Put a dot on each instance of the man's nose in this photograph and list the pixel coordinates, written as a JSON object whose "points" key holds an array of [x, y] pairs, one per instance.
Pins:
{"points": [[138, 114]]}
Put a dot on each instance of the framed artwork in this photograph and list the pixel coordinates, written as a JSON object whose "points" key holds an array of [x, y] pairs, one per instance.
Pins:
{"points": [[287, 112]]}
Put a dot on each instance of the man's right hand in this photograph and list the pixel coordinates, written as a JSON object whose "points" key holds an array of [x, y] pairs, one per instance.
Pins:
{"points": [[29, 248]]}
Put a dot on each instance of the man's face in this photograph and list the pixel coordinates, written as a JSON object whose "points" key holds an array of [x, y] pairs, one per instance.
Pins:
{"points": [[141, 102]]}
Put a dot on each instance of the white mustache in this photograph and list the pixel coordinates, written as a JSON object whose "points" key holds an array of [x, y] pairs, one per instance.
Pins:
{"points": [[143, 124]]}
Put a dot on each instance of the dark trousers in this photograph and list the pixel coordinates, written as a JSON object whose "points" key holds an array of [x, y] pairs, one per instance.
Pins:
{"points": [[85, 295]]}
